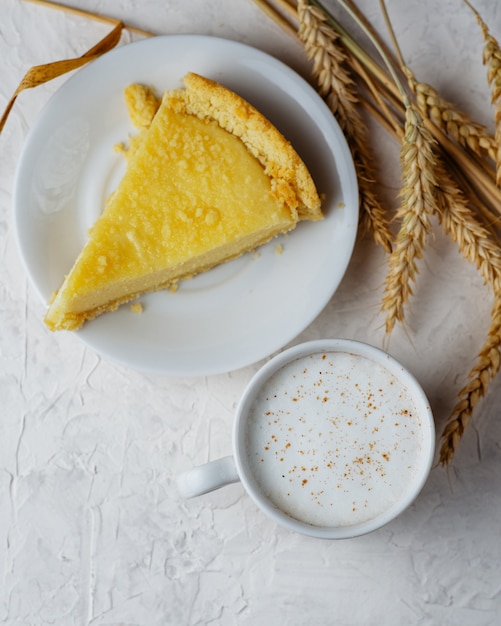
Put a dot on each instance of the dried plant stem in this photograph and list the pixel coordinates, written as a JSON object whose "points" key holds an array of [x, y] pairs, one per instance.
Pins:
{"points": [[384, 120], [467, 202], [41, 74], [418, 204], [476, 242], [450, 119], [358, 52], [460, 222], [478, 175], [476, 172], [287, 6], [94, 16], [477, 246], [351, 9], [492, 59], [483, 211], [329, 70], [485, 369], [337, 87], [374, 35], [446, 115], [475, 175], [383, 107], [492, 56], [276, 16]]}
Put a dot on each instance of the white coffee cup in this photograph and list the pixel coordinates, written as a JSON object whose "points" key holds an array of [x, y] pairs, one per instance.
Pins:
{"points": [[332, 439]]}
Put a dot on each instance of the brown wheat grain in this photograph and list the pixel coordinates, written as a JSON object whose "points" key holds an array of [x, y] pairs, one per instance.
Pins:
{"points": [[485, 369], [491, 57], [464, 227], [418, 203], [338, 88], [477, 246], [456, 123]]}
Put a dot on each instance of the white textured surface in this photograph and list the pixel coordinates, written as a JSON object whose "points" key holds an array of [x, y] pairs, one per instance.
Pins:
{"points": [[92, 530]]}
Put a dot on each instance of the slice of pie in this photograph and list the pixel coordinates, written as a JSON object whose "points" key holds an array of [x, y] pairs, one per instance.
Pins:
{"points": [[209, 179]]}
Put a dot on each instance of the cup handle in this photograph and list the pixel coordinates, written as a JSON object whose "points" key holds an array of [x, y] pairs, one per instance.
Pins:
{"points": [[207, 477]]}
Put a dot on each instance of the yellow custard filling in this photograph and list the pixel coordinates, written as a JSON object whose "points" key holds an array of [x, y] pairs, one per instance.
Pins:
{"points": [[193, 196]]}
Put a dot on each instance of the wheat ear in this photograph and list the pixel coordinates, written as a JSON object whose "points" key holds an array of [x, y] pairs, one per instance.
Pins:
{"points": [[485, 369], [333, 80], [462, 224], [476, 245], [454, 122], [418, 203], [444, 114], [336, 85], [491, 57]]}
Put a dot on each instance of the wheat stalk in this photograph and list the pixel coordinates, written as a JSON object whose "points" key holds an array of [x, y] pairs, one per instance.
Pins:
{"points": [[336, 85], [419, 184], [454, 122], [485, 369], [460, 222], [476, 245], [418, 204], [466, 202], [479, 176], [445, 117], [329, 71], [444, 114], [491, 57], [105, 19]]}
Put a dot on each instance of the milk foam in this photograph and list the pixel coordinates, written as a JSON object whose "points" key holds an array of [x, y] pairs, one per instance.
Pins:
{"points": [[334, 439]]}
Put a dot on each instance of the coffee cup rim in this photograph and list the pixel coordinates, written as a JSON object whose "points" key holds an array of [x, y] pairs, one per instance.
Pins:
{"points": [[357, 348]]}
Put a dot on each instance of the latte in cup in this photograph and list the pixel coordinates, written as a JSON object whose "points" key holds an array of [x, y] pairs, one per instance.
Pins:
{"points": [[332, 438], [335, 439]]}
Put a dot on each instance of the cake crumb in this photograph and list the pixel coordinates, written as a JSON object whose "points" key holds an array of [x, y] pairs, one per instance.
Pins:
{"points": [[136, 307], [142, 104], [279, 249], [120, 148]]}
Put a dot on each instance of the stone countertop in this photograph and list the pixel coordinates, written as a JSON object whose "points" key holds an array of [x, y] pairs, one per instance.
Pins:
{"points": [[92, 530]]}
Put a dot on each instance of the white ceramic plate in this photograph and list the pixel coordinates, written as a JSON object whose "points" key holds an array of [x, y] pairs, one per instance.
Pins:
{"points": [[235, 314]]}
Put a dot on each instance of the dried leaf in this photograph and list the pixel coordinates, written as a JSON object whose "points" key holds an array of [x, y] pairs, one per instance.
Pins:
{"points": [[41, 74]]}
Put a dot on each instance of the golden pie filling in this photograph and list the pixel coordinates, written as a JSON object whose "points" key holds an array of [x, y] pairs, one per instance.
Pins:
{"points": [[193, 196]]}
